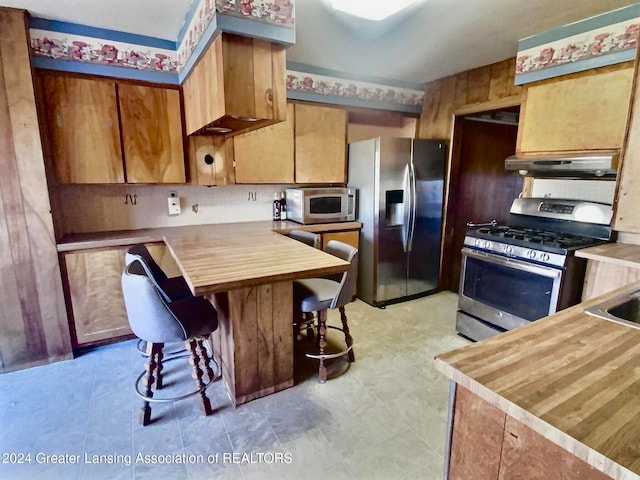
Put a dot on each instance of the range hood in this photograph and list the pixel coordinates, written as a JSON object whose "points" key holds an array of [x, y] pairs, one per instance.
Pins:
{"points": [[575, 164]]}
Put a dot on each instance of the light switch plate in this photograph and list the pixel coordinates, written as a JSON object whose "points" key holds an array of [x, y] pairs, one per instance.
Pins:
{"points": [[174, 203]]}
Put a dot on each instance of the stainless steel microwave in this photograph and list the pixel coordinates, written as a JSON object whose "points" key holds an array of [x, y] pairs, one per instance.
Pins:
{"points": [[321, 205]]}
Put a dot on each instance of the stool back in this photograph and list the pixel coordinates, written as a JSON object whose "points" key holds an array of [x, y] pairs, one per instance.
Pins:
{"points": [[310, 238], [348, 282], [154, 272], [147, 311]]}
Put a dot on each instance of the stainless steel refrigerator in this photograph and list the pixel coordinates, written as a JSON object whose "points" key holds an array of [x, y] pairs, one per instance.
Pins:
{"points": [[400, 184]]}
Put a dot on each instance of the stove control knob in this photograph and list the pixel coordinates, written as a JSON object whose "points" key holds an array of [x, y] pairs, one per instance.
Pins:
{"points": [[508, 249], [544, 257], [531, 254]]}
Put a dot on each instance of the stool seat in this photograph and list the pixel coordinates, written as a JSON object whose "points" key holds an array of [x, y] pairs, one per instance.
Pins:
{"points": [[315, 294]]}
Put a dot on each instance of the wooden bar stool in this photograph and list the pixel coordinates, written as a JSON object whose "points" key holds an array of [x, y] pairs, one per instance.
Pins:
{"points": [[322, 294], [190, 320], [171, 288]]}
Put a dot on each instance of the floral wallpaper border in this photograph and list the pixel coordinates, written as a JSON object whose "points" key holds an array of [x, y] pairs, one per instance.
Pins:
{"points": [[200, 21], [570, 51], [352, 89], [278, 12], [95, 50], [81, 48]]}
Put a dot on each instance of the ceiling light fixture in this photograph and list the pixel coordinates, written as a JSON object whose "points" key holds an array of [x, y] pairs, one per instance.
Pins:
{"points": [[371, 9]]}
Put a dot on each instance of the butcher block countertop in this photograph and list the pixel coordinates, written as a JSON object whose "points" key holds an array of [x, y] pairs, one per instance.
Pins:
{"points": [[222, 257], [573, 378], [622, 254], [219, 258], [84, 241]]}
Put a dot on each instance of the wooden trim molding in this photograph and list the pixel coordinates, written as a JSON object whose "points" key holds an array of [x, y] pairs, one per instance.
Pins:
{"points": [[33, 320]]}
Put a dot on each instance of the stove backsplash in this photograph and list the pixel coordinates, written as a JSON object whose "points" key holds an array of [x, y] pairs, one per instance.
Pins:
{"points": [[602, 191]]}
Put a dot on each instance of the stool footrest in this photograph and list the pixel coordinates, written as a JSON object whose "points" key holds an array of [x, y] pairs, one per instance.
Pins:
{"points": [[179, 397], [330, 355]]}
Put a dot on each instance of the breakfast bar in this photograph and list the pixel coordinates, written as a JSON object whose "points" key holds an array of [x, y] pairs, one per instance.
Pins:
{"points": [[558, 397], [248, 273], [245, 269]]}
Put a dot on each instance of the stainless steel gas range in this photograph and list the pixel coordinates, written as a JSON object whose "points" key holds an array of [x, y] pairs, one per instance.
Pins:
{"points": [[520, 272]]}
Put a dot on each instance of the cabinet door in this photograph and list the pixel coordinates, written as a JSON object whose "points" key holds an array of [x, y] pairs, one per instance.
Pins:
{"points": [[626, 212], [93, 280], [266, 155], [585, 111], [151, 134], [211, 160], [476, 440], [320, 149], [350, 237], [254, 77], [527, 454], [94, 283], [82, 119]]}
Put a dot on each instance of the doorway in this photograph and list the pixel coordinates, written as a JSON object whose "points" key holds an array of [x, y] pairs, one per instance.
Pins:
{"points": [[480, 189]]}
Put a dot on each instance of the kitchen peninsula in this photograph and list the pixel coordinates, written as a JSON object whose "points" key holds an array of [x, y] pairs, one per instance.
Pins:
{"points": [[246, 270], [557, 398]]}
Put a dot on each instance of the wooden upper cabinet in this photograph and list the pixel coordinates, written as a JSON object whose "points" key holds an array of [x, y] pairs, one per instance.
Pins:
{"points": [[82, 119], [266, 155], [320, 144], [238, 84], [626, 213], [582, 111], [211, 160], [151, 134]]}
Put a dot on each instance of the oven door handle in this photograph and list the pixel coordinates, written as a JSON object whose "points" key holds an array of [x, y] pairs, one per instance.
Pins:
{"points": [[492, 223], [550, 272]]}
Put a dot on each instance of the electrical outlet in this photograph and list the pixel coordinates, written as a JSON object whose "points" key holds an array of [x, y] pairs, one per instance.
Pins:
{"points": [[174, 203]]}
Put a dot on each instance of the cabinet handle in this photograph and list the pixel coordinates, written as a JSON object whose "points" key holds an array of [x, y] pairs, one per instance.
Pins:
{"points": [[269, 95], [208, 159]]}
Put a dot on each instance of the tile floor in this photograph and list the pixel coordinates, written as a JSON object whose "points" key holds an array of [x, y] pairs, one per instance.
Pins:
{"points": [[384, 418]]}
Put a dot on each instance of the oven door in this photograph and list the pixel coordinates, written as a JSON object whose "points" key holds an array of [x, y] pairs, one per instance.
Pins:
{"points": [[507, 292]]}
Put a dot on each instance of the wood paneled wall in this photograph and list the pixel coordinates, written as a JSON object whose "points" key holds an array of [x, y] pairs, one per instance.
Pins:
{"points": [[33, 320], [470, 90]]}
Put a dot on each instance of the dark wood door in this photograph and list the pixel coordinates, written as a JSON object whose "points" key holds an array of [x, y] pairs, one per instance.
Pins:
{"points": [[481, 189]]}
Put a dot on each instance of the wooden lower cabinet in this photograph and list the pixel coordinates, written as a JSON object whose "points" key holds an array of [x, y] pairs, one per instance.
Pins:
{"points": [[527, 454], [476, 441], [94, 293], [96, 303], [486, 443], [603, 277], [350, 237]]}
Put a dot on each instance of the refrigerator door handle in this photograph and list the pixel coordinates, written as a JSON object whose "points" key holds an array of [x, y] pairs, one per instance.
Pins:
{"points": [[406, 207], [412, 206]]}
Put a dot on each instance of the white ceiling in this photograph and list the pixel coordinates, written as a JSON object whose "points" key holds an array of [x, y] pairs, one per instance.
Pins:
{"points": [[435, 38]]}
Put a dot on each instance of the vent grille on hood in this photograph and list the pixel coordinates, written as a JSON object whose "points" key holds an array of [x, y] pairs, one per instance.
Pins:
{"points": [[602, 164]]}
